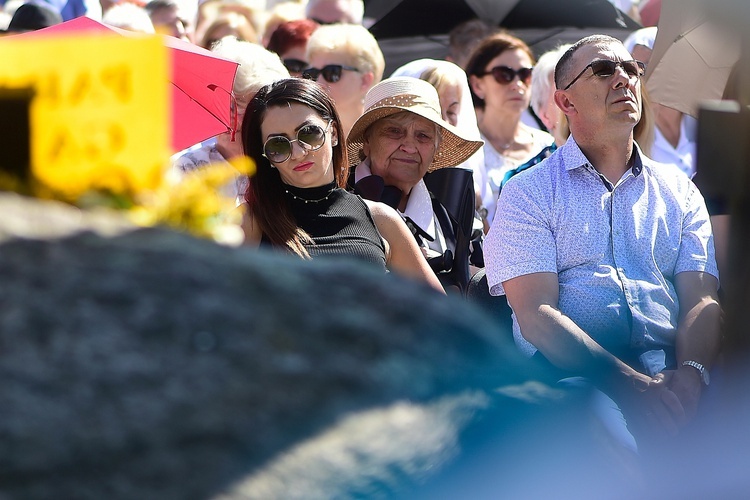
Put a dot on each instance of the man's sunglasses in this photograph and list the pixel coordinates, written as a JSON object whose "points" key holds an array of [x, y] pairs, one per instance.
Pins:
{"points": [[295, 65], [505, 75], [604, 68], [278, 148], [331, 73]]}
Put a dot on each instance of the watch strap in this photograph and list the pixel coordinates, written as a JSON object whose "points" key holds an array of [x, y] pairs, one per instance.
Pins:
{"points": [[702, 369]]}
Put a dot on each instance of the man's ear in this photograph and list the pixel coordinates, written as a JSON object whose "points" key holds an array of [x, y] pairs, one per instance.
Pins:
{"points": [[564, 103], [477, 86]]}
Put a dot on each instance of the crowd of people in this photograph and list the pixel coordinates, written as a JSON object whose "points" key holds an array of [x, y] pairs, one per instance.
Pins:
{"points": [[581, 211]]}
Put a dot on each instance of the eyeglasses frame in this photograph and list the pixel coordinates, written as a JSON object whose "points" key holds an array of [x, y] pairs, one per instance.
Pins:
{"points": [[320, 71], [641, 65], [516, 74], [306, 147], [291, 60]]}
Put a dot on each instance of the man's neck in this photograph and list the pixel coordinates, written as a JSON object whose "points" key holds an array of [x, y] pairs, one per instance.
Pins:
{"points": [[611, 159]]}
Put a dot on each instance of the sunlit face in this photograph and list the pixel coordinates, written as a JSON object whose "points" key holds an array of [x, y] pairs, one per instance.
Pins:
{"points": [[304, 168], [348, 93], [605, 100], [329, 12], [450, 103], [512, 97], [168, 22], [401, 148]]}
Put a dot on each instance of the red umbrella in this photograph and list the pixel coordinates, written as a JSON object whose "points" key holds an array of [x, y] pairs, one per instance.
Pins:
{"points": [[201, 84]]}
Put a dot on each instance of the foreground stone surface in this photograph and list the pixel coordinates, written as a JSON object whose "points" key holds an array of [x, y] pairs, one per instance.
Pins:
{"points": [[148, 364]]}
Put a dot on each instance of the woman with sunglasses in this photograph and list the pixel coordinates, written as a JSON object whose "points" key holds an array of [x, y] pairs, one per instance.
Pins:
{"points": [[499, 73], [347, 61], [297, 201]]}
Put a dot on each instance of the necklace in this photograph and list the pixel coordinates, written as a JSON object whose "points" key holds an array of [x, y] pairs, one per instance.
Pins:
{"points": [[299, 198]]}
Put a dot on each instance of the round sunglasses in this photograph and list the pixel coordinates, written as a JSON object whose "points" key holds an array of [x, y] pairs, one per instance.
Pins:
{"points": [[604, 68], [331, 72], [278, 148], [505, 75]]}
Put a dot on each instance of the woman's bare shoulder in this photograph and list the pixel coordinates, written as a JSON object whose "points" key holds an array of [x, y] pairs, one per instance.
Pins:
{"points": [[381, 211]]}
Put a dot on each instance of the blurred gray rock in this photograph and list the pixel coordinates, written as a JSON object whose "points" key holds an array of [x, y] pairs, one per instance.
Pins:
{"points": [[149, 364]]}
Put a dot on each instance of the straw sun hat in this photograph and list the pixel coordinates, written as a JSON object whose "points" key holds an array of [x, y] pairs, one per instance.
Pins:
{"points": [[398, 94]]}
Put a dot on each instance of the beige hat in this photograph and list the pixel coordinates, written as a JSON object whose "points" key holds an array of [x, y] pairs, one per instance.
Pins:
{"points": [[394, 95]]}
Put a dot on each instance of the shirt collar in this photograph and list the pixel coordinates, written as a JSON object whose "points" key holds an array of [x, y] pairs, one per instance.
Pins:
{"points": [[573, 157], [362, 170], [419, 208]]}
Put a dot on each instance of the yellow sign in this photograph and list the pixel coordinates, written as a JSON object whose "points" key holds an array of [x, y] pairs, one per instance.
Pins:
{"points": [[99, 118]]}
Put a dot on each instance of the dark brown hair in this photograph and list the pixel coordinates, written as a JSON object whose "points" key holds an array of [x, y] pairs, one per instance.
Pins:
{"points": [[486, 51], [265, 195]]}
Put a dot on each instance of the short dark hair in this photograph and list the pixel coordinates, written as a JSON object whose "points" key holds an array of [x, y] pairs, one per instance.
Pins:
{"points": [[490, 48], [563, 68]]}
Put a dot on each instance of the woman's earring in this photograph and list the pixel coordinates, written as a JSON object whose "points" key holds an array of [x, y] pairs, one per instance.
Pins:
{"points": [[335, 142]]}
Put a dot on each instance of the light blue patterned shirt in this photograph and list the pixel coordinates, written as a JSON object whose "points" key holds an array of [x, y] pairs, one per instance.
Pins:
{"points": [[616, 249]]}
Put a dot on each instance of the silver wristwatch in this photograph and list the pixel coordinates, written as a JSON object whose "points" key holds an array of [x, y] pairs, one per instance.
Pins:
{"points": [[704, 373]]}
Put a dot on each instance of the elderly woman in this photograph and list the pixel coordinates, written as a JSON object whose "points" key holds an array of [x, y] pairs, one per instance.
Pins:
{"points": [[296, 201], [455, 104], [542, 92], [499, 72], [399, 138]]}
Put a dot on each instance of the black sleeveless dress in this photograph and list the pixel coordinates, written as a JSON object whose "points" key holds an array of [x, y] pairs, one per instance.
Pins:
{"points": [[339, 222]]}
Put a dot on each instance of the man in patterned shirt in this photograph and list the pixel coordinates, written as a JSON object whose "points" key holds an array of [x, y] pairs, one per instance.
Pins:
{"points": [[607, 257]]}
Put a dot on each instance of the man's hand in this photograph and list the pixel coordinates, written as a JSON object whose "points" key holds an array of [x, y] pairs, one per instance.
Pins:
{"points": [[651, 407], [687, 385]]}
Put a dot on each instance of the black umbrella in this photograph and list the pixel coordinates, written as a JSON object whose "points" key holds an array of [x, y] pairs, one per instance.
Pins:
{"points": [[407, 18]]}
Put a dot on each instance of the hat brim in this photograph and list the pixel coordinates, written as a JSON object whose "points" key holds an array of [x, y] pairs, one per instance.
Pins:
{"points": [[453, 149]]}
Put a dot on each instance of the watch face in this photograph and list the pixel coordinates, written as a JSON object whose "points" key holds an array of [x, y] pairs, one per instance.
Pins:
{"points": [[704, 373]]}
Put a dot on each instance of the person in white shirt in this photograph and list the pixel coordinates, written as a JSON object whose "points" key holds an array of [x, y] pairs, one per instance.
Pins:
{"points": [[675, 133]]}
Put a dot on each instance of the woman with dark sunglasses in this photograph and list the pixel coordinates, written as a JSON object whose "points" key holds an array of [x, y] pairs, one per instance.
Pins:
{"points": [[296, 200], [499, 71], [347, 61]]}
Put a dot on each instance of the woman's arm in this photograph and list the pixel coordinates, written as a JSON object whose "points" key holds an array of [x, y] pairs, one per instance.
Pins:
{"points": [[404, 257]]}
